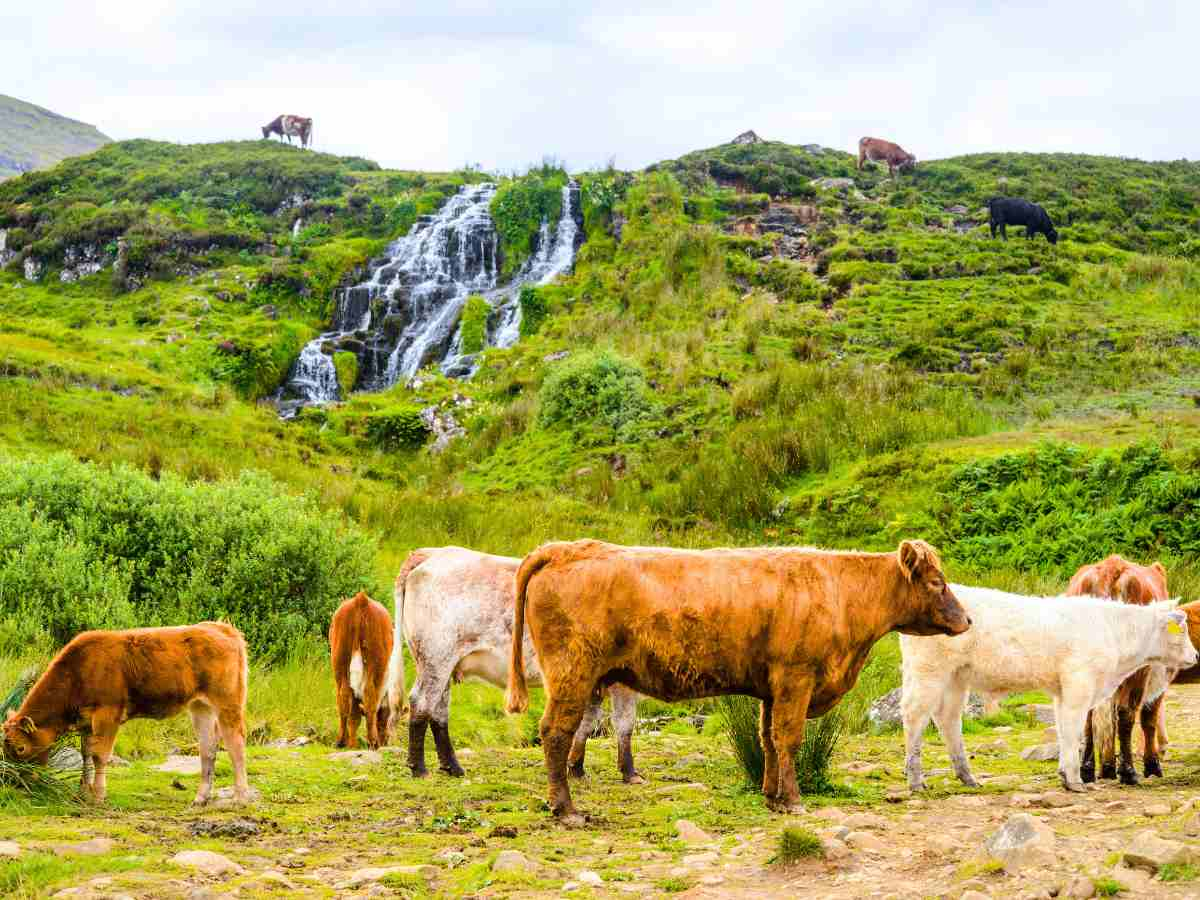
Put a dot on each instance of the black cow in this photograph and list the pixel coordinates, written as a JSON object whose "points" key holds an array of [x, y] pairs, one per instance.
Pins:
{"points": [[1007, 211]]}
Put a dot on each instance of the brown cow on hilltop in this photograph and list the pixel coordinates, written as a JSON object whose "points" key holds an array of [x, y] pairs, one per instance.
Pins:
{"points": [[878, 150], [360, 644], [290, 127], [1141, 694], [103, 678], [790, 626]]}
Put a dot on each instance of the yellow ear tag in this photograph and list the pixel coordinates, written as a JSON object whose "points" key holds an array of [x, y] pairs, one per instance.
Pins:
{"points": [[1174, 627]]}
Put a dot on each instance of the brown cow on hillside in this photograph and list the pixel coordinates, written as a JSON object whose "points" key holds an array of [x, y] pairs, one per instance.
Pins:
{"points": [[790, 626], [1141, 694], [104, 678], [878, 150], [360, 644], [290, 127]]}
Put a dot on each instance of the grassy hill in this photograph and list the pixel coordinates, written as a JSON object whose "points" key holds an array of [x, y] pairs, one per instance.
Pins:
{"points": [[775, 341], [34, 138]]}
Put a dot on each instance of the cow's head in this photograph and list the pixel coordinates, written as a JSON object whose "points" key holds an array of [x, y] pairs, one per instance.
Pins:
{"points": [[266, 130], [1052, 235], [23, 740], [908, 164], [933, 607], [1177, 649]]}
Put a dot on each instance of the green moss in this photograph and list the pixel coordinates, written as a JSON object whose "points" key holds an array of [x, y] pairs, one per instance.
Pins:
{"points": [[346, 366], [518, 210], [474, 324], [534, 309]]}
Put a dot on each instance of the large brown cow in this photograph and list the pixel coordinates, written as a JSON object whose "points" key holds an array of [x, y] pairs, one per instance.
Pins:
{"points": [[790, 626], [290, 127], [454, 608], [1119, 579], [103, 678], [878, 150], [360, 644]]}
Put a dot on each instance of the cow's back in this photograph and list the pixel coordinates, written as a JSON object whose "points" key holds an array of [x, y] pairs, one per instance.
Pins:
{"points": [[459, 610]]}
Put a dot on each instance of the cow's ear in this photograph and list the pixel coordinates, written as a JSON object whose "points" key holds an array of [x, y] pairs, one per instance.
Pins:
{"points": [[913, 556], [27, 725], [1159, 568]]}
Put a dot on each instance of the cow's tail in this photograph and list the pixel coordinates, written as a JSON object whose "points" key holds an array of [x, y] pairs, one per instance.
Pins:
{"points": [[395, 670], [516, 698]]}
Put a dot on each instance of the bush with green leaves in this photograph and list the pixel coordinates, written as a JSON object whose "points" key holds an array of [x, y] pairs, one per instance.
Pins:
{"points": [[397, 428], [82, 546], [345, 364], [518, 210], [597, 386], [473, 324], [534, 309]]}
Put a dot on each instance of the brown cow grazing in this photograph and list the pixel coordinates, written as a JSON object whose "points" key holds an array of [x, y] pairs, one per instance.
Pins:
{"points": [[103, 678], [790, 626], [360, 643], [878, 150], [290, 127], [1141, 695]]}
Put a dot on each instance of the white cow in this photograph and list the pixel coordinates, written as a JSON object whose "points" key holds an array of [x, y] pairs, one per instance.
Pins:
{"points": [[454, 607], [1077, 649]]}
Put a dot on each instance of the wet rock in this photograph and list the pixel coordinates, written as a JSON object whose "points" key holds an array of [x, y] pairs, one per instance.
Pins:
{"points": [[1150, 852], [1040, 753], [511, 861], [1022, 841], [1079, 888], [691, 833], [180, 765], [207, 862], [95, 847], [357, 757]]}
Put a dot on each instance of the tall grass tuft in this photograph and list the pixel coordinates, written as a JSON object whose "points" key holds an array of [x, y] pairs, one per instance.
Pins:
{"points": [[740, 717], [796, 844]]}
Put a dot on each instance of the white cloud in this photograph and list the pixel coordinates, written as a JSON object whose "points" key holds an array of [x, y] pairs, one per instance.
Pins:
{"points": [[419, 85]]}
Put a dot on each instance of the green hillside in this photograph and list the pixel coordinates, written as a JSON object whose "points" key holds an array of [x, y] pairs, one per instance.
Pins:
{"points": [[752, 354], [33, 138]]}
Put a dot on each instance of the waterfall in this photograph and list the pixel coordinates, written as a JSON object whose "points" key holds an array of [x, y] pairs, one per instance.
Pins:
{"points": [[406, 314]]}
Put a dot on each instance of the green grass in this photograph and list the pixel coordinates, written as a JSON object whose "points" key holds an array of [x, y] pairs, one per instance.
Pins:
{"points": [[35, 138], [1179, 872], [798, 843], [1109, 887]]}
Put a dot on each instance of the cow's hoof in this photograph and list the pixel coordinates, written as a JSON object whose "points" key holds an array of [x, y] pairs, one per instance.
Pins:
{"points": [[454, 771], [200, 801], [575, 770], [1075, 787], [1109, 772], [1087, 774], [916, 786], [968, 780], [1153, 769], [421, 772], [1128, 776], [635, 778]]}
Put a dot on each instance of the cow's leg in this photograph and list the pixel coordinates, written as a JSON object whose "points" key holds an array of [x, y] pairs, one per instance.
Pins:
{"points": [[99, 747], [992, 226], [789, 713], [1150, 714], [579, 742], [1070, 715], [204, 721], [624, 718], [1104, 737], [565, 707], [1161, 734], [231, 723], [1126, 713], [429, 698], [371, 705], [439, 724], [1004, 231], [948, 716], [356, 713], [918, 700], [345, 706], [770, 759], [1087, 770]]}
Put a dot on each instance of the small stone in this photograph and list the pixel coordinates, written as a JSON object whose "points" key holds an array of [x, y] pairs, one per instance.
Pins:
{"points": [[511, 861], [587, 876], [835, 849], [9, 848], [451, 857], [369, 875], [1043, 712], [1079, 888], [898, 796], [1022, 801], [697, 859], [865, 820], [1022, 840], [712, 880], [862, 840], [571, 886], [999, 745], [691, 833], [1150, 852], [207, 862], [95, 847], [1157, 809], [1040, 753], [180, 765]]}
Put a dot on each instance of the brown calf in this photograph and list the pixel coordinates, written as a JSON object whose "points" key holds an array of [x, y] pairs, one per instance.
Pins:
{"points": [[878, 150], [1119, 579], [790, 626], [360, 642], [103, 678]]}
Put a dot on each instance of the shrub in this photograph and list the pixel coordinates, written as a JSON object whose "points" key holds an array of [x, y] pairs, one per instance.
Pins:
{"points": [[400, 428], [812, 759], [534, 310], [474, 324], [796, 844], [518, 210], [345, 364], [83, 546], [597, 385]]}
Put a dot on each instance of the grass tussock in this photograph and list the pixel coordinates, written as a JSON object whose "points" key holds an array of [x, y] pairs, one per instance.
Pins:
{"points": [[796, 844]]}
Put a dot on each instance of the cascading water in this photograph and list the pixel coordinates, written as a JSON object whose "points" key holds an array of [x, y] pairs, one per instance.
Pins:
{"points": [[406, 315]]}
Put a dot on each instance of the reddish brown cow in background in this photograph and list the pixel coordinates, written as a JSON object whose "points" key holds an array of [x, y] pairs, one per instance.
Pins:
{"points": [[103, 678], [878, 150], [1119, 579], [790, 626], [360, 642]]}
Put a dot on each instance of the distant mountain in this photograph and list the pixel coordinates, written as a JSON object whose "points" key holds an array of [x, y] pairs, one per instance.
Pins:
{"points": [[35, 138]]}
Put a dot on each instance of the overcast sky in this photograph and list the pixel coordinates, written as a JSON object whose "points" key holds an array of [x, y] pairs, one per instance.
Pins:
{"points": [[433, 85]]}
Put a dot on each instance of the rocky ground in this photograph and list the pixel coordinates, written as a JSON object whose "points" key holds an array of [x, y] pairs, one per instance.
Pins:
{"points": [[355, 824]]}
